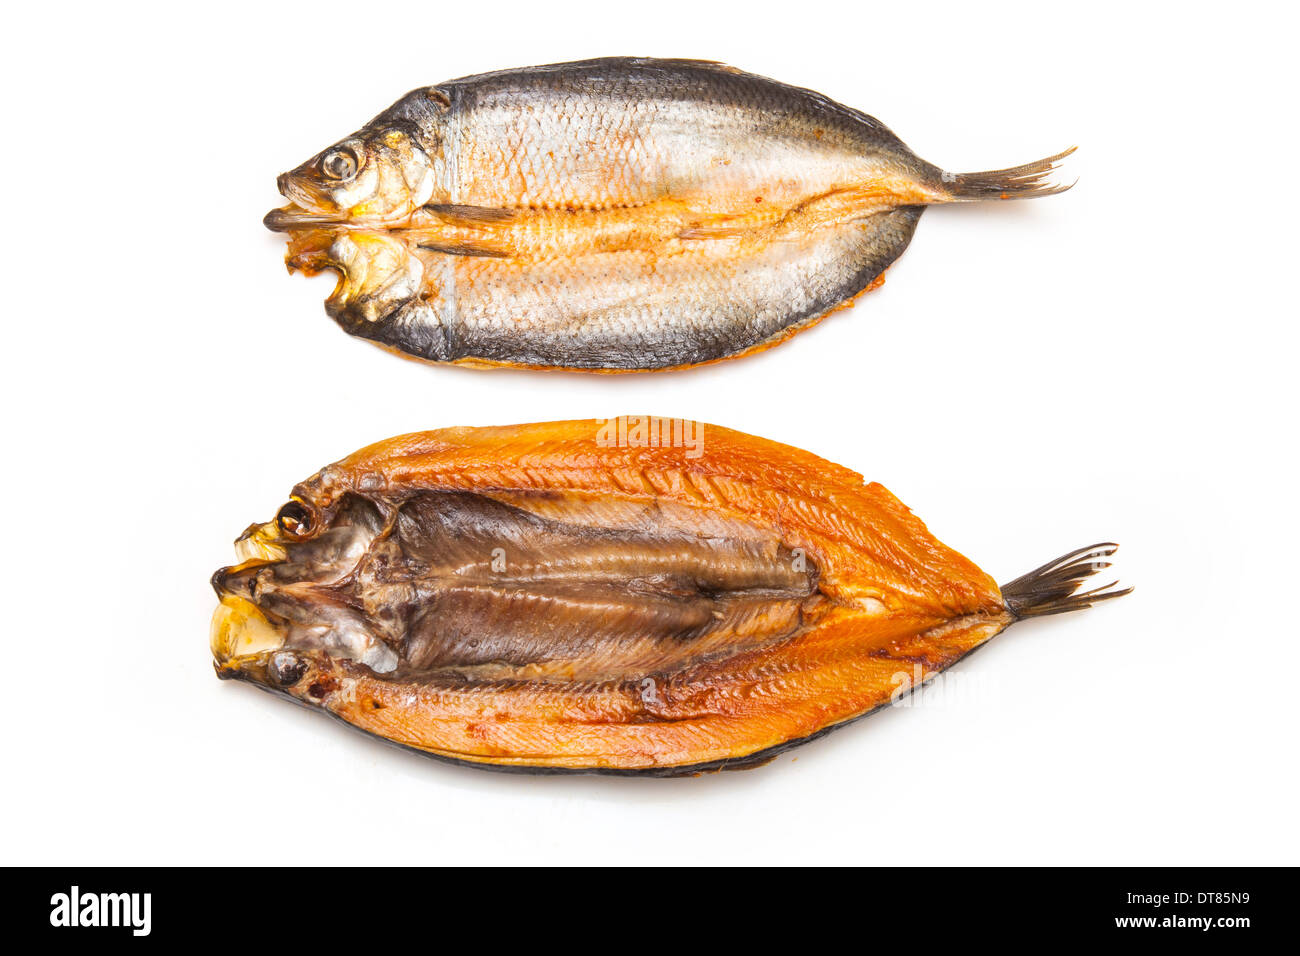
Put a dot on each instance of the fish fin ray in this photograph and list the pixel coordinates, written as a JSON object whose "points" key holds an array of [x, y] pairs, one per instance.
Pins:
{"points": [[1017, 182], [1054, 587], [715, 65], [459, 215], [452, 249]]}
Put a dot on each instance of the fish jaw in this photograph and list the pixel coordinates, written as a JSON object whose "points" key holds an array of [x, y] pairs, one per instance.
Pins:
{"points": [[247, 646], [242, 637], [293, 217], [249, 641], [377, 272]]}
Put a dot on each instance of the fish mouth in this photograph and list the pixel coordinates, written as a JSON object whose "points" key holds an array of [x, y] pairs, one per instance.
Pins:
{"points": [[376, 272], [242, 634], [308, 208], [311, 252], [247, 636]]}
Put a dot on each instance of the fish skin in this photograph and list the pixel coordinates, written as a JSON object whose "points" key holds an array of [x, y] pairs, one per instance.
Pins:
{"points": [[662, 128], [654, 611], [620, 214]]}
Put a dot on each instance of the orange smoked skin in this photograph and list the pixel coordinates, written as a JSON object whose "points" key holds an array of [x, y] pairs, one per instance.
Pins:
{"points": [[897, 602]]}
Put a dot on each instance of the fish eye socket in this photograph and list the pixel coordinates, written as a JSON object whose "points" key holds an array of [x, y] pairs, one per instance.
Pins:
{"points": [[286, 669], [339, 163], [294, 520]]}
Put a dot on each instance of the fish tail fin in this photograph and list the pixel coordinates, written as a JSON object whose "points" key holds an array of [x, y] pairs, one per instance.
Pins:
{"points": [[1054, 588], [1019, 182]]}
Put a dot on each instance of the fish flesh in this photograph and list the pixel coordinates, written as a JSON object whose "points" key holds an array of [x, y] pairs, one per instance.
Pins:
{"points": [[611, 215], [632, 595]]}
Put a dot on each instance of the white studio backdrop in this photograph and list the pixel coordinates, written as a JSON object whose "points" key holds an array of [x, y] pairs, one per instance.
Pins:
{"points": [[1116, 363]]}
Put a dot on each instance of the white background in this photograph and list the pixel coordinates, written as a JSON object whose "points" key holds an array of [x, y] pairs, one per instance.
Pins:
{"points": [[1115, 363]]}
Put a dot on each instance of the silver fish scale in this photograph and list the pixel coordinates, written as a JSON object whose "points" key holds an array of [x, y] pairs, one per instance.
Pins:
{"points": [[536, 158], [623, 132], [610, 312]]}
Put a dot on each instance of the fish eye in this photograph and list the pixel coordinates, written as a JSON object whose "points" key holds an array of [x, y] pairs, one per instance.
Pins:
{"points": [[285, 669], [294, 520], [339, 163]]}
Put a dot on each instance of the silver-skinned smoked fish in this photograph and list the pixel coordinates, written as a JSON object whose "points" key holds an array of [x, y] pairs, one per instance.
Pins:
{"points": [[627, 596], [612, 215]]}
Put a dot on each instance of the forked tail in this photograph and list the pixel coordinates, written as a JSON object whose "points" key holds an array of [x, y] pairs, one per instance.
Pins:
{"points": [[1054, 588], [1018, 182]]}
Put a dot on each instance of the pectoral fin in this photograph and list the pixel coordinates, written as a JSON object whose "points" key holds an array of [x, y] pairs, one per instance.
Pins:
{"points": [[456, 215], [465, 249]]}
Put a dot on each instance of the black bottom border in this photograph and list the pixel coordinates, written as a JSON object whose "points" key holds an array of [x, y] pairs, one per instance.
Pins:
{"points": [[904, 904]]}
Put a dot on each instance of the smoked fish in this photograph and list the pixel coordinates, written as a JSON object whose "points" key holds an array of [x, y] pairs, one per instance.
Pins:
{"points": [[611, 215], [624, 596]]}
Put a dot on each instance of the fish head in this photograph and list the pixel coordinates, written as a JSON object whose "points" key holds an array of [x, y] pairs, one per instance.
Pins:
{"points": [[289, 612], [377, 271], [374, 178]]}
